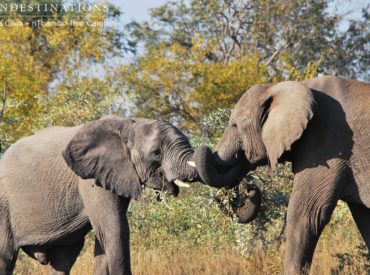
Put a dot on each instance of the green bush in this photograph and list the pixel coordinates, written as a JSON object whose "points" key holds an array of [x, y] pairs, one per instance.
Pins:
{"points": [[190, 220]]}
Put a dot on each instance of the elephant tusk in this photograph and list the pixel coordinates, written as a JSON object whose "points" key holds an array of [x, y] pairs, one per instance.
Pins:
{"points": [[180, 183], [191, 163]]}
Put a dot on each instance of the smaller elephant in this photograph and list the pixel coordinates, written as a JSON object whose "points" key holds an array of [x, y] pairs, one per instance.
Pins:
{"points": [[58, 184], [321, 126]]}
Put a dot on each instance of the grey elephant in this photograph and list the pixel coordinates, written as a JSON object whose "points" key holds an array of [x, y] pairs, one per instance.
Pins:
{"points": [[322, 126], [58, 184]]}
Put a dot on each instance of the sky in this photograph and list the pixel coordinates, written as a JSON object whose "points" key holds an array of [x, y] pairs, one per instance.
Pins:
{"points": [[136, 9], [139, 9]]}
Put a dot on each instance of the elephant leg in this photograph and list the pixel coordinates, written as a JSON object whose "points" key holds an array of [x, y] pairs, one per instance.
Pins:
{"points": [[100, 260], [8, 250], [314, 197], [113, 239], [8, 257], [107, 214], [361, 215], [62, 258]]}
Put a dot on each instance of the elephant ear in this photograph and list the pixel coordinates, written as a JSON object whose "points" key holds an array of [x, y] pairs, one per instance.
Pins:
{"points": [[290, 108], [99, 151]]}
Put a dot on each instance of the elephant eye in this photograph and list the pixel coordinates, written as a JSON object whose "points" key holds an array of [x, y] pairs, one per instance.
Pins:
{"points": [[234, 126], [156, 152]]}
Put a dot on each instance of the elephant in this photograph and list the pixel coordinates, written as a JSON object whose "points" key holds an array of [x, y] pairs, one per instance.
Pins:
{"points": [[58, 184], [321, 126]]}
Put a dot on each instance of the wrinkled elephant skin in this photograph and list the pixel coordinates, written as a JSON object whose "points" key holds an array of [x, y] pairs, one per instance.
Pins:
{"points": [[58, 184], [321, 126]]}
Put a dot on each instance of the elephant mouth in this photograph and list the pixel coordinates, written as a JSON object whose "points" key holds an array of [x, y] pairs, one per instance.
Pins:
{"points": [[159, 182]]}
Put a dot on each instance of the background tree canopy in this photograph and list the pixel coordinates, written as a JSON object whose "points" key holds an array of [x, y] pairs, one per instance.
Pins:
{"points": [[200, 55], [189, 59], [44, 70], [284, 33]]}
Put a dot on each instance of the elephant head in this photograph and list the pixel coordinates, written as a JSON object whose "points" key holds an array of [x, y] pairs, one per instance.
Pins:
{"points": [[123, 154], [264, 124]]}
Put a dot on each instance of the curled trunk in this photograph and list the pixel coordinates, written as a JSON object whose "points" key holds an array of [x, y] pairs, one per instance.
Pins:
{"points": [[252, 205], [188, 173], [218, 176], [175, 162]]}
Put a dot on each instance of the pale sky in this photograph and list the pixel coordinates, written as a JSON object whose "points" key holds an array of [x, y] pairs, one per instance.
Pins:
{"points": [[139, 9], [136, 9]]}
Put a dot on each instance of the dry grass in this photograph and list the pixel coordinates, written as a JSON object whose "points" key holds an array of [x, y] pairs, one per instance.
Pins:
{"points": [[155, 250], [206, 260], [184, 261]]}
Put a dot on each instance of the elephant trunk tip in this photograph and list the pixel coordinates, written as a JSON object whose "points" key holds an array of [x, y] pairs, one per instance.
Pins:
{"points": [[252, 205]]}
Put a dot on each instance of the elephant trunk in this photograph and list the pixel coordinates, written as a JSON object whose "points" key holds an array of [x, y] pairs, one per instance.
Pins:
{"points": [[188, 172], [252, 205], [218, 176], [176, 162]]}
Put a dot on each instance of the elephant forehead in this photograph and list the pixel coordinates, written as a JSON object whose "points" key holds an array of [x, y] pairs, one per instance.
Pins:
{"points": [[254, 94], [241, 112], [245, 107], [169, 133], [250, 101]]}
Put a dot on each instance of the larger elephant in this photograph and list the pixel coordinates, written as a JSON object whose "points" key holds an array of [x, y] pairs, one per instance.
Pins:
{"points": [[59, 183], [322, 126]]}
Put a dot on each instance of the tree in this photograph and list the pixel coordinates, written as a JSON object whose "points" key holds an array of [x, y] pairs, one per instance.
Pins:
{"points": [[179, 83], [175, 83], [284, 33], [204, 54], [42, 64]]}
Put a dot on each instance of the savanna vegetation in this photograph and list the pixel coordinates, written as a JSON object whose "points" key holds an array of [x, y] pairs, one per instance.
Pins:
{"points": [[189, 64]]}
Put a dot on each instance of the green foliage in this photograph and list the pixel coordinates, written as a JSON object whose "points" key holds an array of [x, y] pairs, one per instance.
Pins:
{"points": [[202, 55], [177, 83], [275, 191], [46, 70], [212, 127], [188, 221], [267, 229], [81, 100], [284, 33]]}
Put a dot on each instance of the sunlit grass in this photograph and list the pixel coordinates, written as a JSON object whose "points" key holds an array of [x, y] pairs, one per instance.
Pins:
{"points": [[189, 235], [224, 260]]}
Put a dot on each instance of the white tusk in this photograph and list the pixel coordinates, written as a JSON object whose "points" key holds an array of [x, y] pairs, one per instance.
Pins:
{"points": [[191, 163], [180, 183]]}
